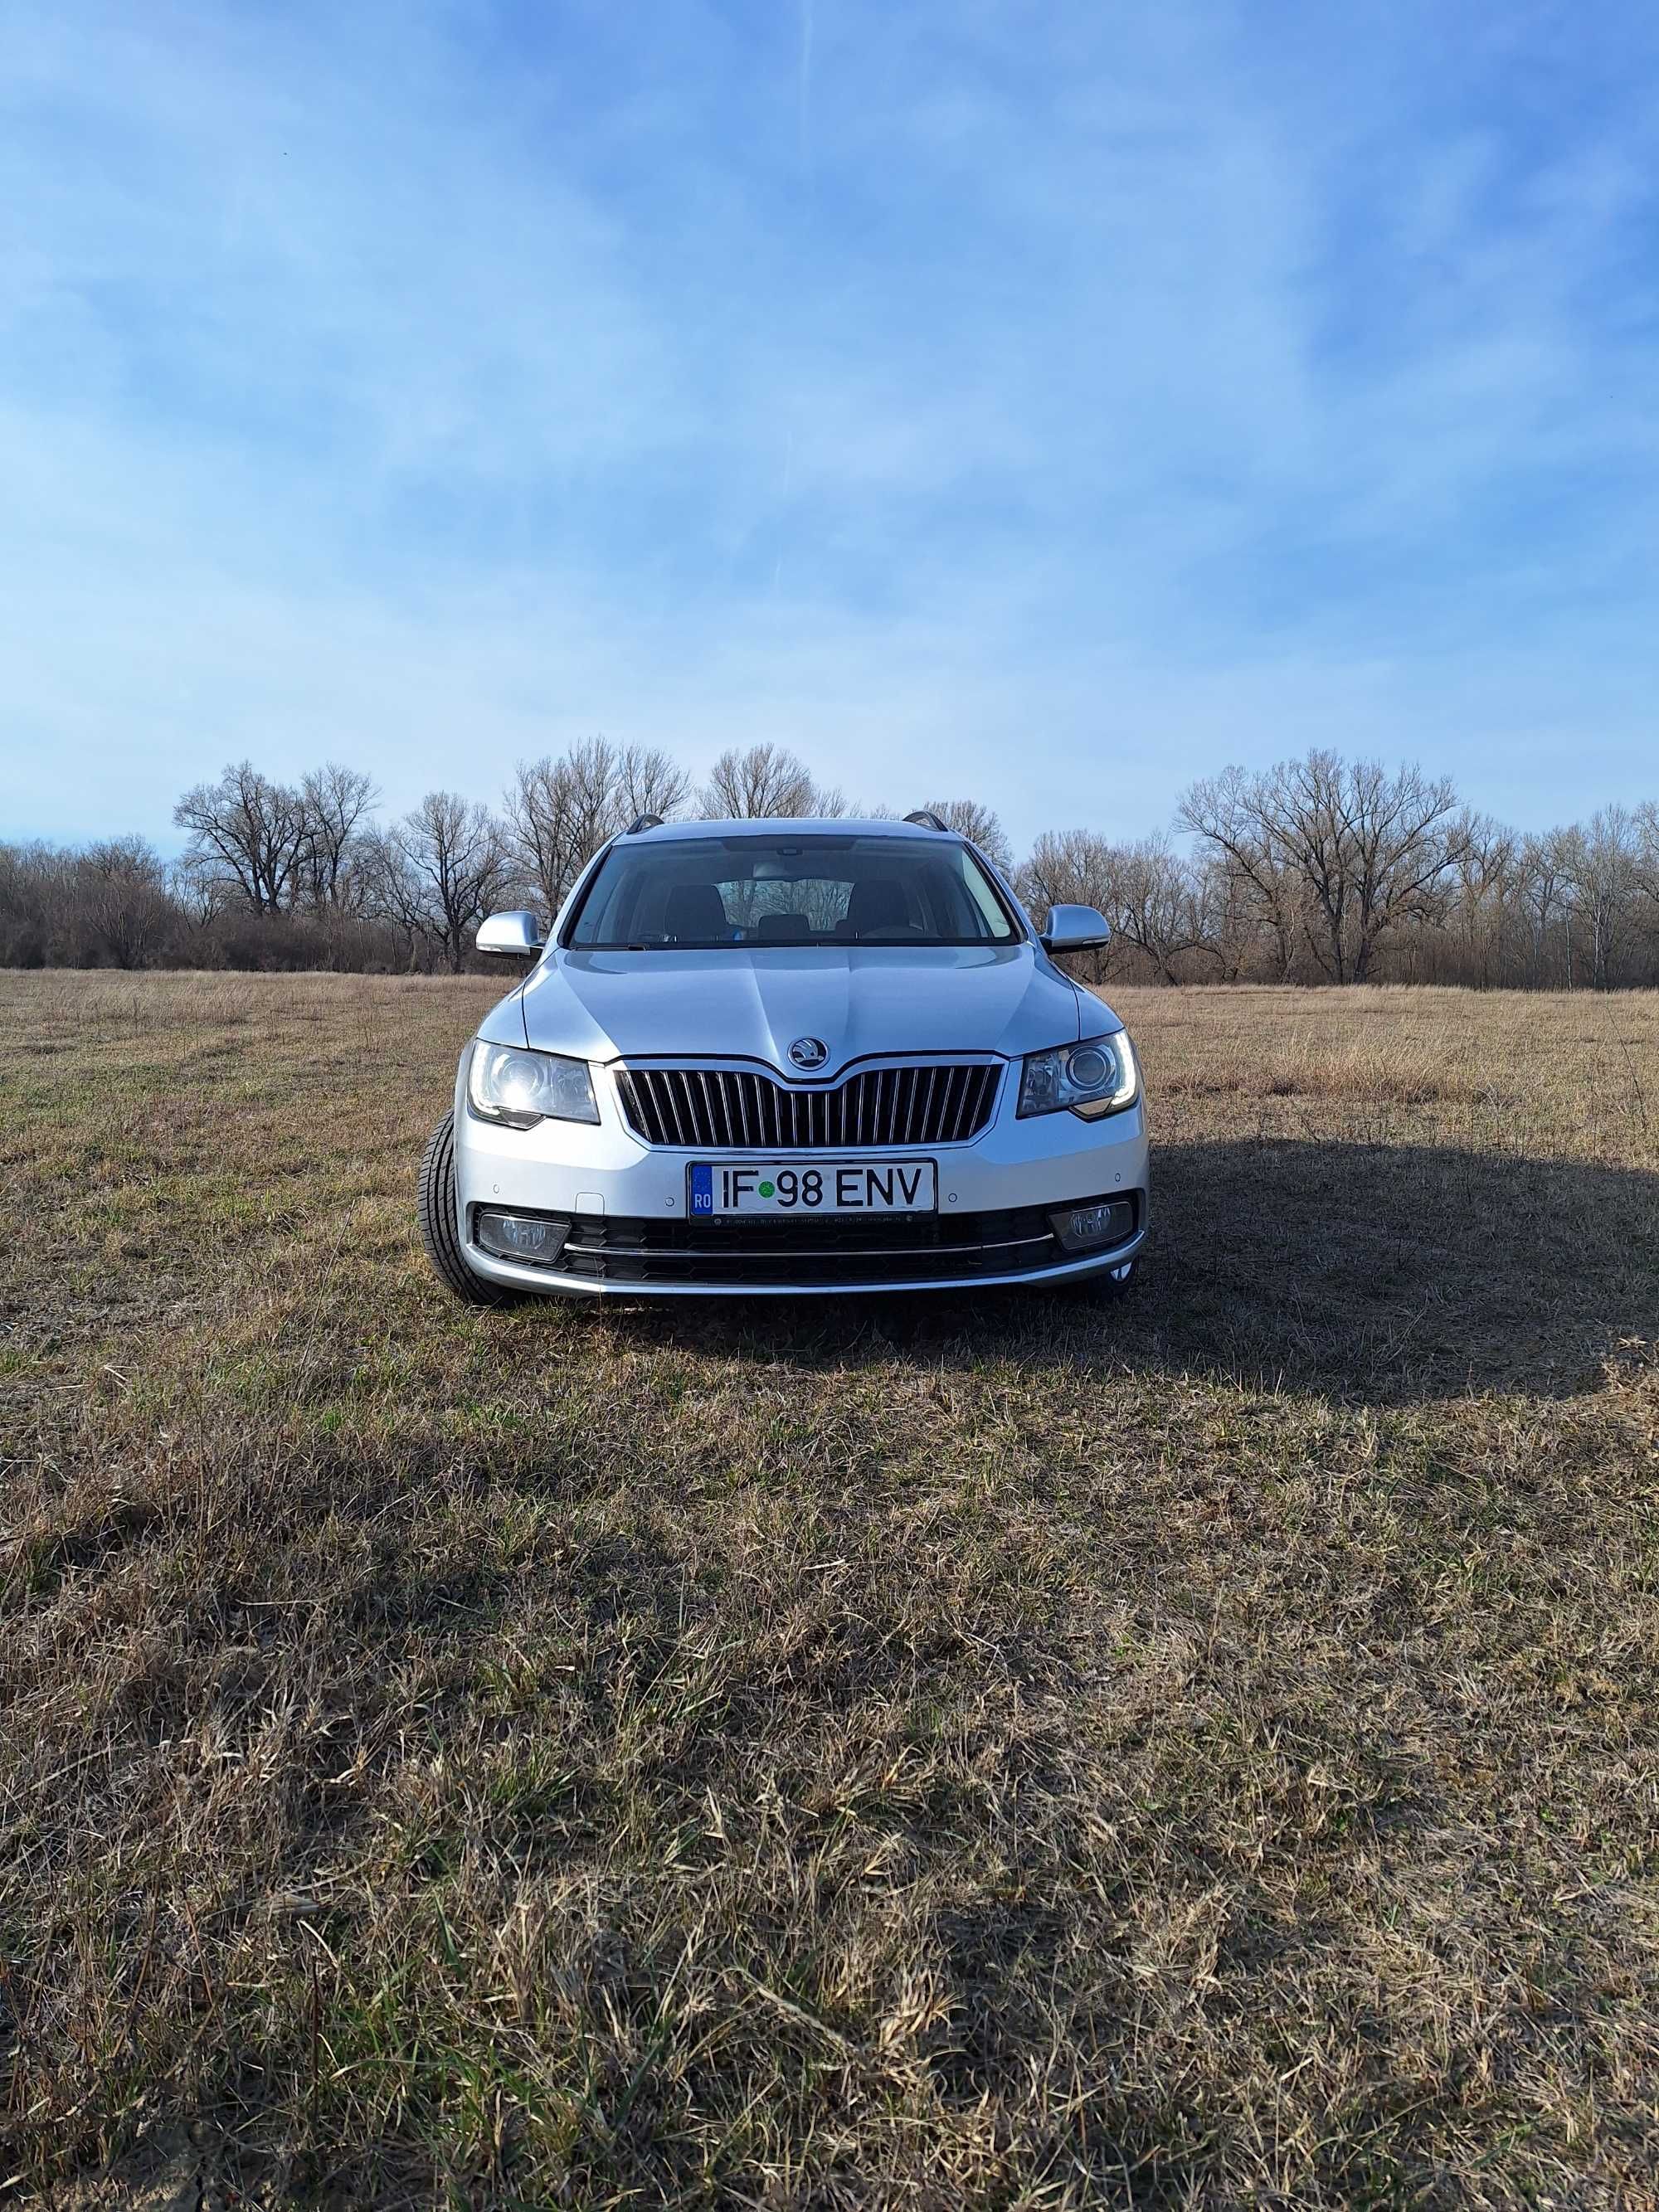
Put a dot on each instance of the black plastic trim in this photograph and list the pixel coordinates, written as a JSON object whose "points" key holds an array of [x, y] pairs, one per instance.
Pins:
{"points": [[827, 1250]]}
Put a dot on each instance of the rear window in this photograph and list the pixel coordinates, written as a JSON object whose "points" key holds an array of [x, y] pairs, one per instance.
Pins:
{"points": [[705, 893]]}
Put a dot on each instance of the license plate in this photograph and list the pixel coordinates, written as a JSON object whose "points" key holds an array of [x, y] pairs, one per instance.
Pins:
{"points": [[826, 1186]]}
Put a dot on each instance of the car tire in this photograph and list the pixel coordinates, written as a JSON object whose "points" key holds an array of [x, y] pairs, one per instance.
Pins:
{"points": [[439, 1231], [1115, 1283]]}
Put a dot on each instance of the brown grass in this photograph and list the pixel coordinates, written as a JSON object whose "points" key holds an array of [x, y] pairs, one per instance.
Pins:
{"points": [[1003, 1751]]}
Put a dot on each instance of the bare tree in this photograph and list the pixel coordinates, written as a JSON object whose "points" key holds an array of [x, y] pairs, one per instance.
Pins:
{"points": [[1487, 891], [1156, 899], [1545, 895], [1646, 870], [1070, 868], [247, 835], [441, 869], [36, 895], [766, 781], [1370, 851], [975, 822], [1160, 902], [121, 896], [1239, 932], [559, 813], [198, 901], [1601, 863], [335, 802], [1405, 834], [1065, 866], [649, 781], [1262, 893]]}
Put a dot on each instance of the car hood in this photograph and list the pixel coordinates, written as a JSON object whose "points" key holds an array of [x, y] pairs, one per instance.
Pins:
{"points": [[741, 1003]]}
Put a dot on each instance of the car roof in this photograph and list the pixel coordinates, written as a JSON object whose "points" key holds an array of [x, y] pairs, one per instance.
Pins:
{"points": [[762, 825]]}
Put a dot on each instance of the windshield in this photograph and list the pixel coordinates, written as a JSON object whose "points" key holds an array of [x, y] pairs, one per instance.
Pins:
{"points": [[746, 890]]}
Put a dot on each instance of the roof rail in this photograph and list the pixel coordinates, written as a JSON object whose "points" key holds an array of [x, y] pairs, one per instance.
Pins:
{"points": [[925, 818], [642, 822]]}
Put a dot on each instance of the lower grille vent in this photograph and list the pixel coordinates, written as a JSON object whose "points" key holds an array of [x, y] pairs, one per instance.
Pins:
{"points": [[850, 1251]]}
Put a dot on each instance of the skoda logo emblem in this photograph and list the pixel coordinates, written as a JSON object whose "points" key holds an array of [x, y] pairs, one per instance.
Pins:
{"points": [[809, 1052]]}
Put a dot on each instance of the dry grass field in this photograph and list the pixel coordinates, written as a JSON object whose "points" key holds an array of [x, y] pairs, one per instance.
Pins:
{"points": [[1008, 1752]]}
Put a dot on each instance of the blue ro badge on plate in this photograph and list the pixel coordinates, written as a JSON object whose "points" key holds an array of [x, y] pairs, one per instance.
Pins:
{"points": [[702, 1189]]}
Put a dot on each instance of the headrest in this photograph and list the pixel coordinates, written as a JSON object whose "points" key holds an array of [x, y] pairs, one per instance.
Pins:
{"points": [[876, 904], [788, 926], [694, 911]]}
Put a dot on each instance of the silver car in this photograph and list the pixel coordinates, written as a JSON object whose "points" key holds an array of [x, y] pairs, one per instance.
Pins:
{"points": [[780, 1057]]}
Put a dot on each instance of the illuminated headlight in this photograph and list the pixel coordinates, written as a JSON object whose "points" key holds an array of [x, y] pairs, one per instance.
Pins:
{"points": [[1095, 1078], [522, 1088]]}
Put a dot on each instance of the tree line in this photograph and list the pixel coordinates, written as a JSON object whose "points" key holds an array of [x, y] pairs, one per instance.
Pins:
{"points": [[1316, 870]]}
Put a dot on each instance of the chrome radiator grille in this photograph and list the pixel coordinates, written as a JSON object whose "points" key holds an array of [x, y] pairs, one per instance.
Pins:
{"points": [[726, 1109]]}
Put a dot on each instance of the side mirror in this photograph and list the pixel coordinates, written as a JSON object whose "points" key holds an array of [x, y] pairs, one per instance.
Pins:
{"points": [[1075, 929], [517, 935]]}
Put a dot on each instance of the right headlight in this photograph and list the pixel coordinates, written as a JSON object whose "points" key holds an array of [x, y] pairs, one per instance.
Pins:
{"points": [[522, 1088], [1097, 1076]]}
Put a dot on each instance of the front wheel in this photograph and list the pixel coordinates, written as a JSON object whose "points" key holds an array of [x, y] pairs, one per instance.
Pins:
{"points": [[438, 1224], [1113, 1282]]}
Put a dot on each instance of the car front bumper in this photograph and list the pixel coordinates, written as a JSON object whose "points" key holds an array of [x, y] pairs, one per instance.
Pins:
{"points": [[622, 1203]]}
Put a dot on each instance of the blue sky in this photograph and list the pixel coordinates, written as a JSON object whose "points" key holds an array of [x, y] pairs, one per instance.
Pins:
{"points": [[1046, 402]]}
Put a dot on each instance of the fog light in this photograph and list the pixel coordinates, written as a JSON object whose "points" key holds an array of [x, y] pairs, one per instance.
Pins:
{"points": [[520, 1236], [1109, 1221]]}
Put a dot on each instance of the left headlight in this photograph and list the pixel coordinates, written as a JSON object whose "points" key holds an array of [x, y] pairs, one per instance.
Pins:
{"points": [[1097, 1076], [519, 1089]]}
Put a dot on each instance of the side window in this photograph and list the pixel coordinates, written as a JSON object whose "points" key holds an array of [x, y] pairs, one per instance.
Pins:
{"points": [[992, 921]]}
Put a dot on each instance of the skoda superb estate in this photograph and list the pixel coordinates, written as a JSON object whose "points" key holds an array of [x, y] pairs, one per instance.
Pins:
{"points": [[788, 1057]]}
